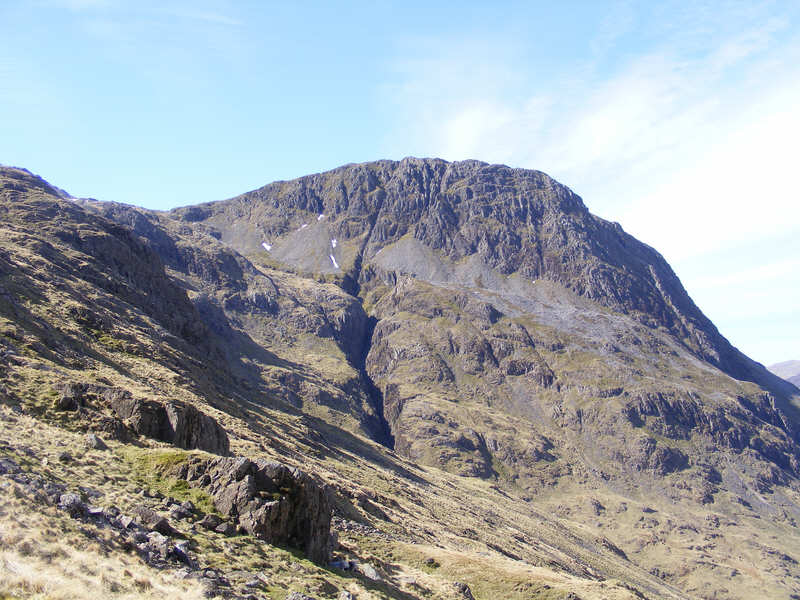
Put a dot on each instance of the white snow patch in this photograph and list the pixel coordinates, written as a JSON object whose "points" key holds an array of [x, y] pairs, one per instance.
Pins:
{"points": [[319, 218], [333, 260], [303, 226], [333, 243], [267, 246]]}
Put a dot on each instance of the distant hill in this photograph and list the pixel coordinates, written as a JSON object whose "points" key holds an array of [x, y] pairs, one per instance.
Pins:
{"points": [[788, 370]]}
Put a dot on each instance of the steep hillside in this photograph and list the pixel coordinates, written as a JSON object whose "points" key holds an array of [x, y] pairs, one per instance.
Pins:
{"points": [[463, 223], [505, 396]]}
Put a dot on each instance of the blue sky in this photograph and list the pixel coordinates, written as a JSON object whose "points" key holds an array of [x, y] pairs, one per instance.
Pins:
{"points": [[679, 120]]}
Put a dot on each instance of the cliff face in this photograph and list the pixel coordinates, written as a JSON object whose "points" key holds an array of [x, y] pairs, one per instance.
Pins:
{"points": [[468, 317], [463, 223], [496, 296]]}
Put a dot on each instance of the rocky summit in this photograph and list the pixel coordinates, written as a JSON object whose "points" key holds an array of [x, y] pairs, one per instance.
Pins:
{"points": [[413, 379]]}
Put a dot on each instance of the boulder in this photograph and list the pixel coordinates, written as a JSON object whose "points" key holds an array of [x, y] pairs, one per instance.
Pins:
{"points": [[226, 529], [195, 429], [368, 571], [92, 441], [73, 504], [152, 520], [210, 522], [71, 396], [145, 417], [179, 513], [463, 590], [174, 422], [8, 466], [269, 500]]}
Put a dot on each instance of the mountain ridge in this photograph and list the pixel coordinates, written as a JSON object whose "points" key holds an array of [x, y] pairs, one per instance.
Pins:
{"points": [[664, 283]]}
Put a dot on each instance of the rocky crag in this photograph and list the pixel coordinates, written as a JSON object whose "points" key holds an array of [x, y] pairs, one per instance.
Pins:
{"points": [[443, 362]]}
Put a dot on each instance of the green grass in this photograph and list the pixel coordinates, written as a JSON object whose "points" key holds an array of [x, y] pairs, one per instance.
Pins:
{"points": [[152, 467]]}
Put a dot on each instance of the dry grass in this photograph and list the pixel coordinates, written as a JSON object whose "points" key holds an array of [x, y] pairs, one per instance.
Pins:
{"points": [[46, 555]]}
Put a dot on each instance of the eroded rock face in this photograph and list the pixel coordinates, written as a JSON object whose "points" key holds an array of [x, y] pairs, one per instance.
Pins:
{"points": [[444, 221], [269, 500], [172, 422]]}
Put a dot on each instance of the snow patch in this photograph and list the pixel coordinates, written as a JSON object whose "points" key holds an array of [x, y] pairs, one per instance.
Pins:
{"points": [[303, 226], [267, 246], [333, 260], [333, 243], [319, 218]]}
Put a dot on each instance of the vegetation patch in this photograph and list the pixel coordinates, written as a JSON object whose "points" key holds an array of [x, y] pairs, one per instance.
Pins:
{"points": [[152, 468]]}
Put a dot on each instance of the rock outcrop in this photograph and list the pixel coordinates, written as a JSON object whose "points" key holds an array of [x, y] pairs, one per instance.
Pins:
{"points": [[173, 422], [269, 500]]}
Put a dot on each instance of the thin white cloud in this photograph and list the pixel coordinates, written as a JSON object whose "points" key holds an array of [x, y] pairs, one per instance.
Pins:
{"points": [[690, 142], [207, 12], [80, 5], [217, 19], [778, 270], [667, 143]]}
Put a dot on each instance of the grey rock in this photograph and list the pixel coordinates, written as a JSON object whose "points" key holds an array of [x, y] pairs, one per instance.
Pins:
{"points": [[210, 521], [173, 422], [73, 504], [178, 513], [345, 595], [8, 466], [96, 512], [140, 537], [226, 528], [368, 571], [298, 596], [152, 520], [463, 590], [71, 397], [269, 500], [126, 522]]}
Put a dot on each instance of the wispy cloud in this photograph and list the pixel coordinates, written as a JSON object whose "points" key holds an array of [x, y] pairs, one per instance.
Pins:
{"points": [[207, 17], [669, 138], [686, 135], [80, 5]]}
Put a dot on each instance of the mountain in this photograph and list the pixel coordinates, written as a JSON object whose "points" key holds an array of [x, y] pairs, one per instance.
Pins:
{"points": [[501, 394], [788, 370]]}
